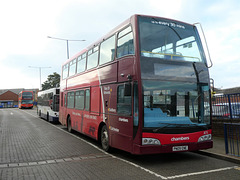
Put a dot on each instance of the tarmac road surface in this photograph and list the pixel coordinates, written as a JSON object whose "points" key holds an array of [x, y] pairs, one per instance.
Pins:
{"points": [[31, 148]]}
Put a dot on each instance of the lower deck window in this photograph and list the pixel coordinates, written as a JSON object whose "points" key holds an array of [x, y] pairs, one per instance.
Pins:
{"points": [[70, 100]]}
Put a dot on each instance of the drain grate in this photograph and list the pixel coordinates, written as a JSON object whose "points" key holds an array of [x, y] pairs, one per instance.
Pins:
{"points": [[54, 161]]}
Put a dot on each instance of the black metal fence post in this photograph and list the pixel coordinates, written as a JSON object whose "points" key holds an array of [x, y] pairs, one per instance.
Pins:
{"points": [[226, 138], [230, 106]]}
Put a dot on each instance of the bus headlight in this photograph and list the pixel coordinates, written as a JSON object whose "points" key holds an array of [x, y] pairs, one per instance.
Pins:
{"points": [[150, 141], [205, 138]]}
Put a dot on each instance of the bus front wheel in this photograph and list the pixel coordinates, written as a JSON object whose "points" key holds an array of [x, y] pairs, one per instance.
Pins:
{"points": [[105, 139]]}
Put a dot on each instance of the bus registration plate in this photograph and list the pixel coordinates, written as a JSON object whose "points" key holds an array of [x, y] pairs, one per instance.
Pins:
{"points": [[180, 148]]}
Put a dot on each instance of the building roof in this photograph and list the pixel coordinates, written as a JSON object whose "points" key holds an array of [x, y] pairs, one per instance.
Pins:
{"points": [[228, 90], [16, 91]]}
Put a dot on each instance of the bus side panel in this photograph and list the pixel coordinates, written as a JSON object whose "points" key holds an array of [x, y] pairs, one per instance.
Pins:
{"points": [[90, 124], [120, 130], [120, 127], [126, 69], [83, 81], [75, 116], [95, 100], [108, 74], [87, 122], [63, 103], [92, 118], [62, 109]]}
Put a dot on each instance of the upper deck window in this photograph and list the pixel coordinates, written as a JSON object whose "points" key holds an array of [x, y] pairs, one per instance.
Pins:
{"points": [[169, 40], [72, 67], [107, 50], [92, 60], [125, 42], [81, 63], [65, 71], [27, 95]]}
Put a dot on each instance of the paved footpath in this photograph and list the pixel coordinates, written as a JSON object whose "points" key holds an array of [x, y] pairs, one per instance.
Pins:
{"points": [[31, 148], [218, 151]]}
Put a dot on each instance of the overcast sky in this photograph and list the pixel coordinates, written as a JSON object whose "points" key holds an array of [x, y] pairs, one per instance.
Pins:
{"points": [[25, 25]]}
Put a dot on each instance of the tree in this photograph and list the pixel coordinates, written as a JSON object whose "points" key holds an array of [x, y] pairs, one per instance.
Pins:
{"points": [[52, 81]]}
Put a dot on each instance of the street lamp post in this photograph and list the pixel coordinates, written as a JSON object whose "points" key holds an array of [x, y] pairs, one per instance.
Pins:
{"points": [[40, 70], [66, 41]]}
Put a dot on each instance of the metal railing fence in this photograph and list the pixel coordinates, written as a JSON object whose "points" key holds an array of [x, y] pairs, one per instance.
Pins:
{"points": [[232, 138], [226, 106]]}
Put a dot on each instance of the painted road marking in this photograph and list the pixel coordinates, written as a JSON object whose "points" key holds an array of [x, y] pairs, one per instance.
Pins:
{"points": [[54, 161], [201, 172]]}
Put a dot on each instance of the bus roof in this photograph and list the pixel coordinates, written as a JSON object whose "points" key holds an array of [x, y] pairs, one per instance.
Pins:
{"points": [[113, 31], [25, 91], [48, 91], [126, 22]]}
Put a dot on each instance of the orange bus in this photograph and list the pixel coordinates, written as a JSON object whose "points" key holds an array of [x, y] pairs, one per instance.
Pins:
{"points": [[25, 99]]}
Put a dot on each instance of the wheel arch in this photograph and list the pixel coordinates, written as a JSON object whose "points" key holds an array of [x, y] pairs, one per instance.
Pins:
{"points": [[67, 119], [99, 131]]}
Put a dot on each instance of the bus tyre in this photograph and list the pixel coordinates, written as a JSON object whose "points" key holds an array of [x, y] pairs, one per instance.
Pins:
{"points": [[69, 125], [105, 139]]}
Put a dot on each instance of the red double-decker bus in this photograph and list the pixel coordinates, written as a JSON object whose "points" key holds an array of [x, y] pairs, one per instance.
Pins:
{"points": [[25, 99], [143, 88]]}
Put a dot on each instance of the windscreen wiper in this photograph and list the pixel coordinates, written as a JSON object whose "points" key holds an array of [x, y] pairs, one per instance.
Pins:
{"points": [[170, 124], [177, 125], [166, 125]]}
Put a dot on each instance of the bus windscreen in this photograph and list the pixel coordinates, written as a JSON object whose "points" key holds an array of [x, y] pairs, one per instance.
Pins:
{"points": [[169, 40]]}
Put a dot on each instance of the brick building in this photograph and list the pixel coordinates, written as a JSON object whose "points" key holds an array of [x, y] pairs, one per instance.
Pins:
{"points": [[9, 97]]}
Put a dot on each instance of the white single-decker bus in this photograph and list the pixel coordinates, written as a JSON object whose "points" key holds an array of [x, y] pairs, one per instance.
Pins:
{"points": [[48, 104]]}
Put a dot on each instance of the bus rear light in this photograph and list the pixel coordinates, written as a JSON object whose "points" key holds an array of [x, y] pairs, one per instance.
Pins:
{"points": [[150, 141], [205, 138]]}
